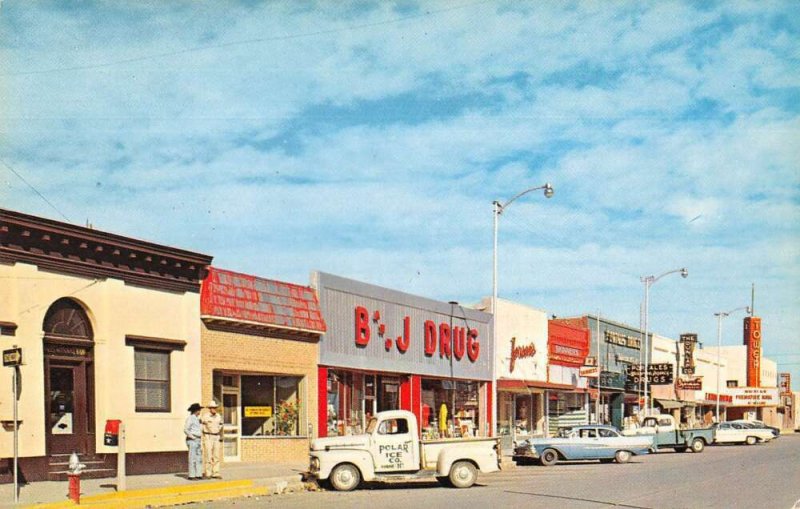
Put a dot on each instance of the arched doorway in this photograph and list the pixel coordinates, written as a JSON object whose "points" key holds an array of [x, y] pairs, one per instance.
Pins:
{"points": [[69, 378]]}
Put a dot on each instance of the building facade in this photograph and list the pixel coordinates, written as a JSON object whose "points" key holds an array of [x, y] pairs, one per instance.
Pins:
{"points": [[95, 316], [384, 350], [520, 369], [614, 348], [260, 344]]}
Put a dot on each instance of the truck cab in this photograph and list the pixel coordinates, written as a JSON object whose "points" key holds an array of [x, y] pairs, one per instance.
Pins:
{"points": [[391, 450]]}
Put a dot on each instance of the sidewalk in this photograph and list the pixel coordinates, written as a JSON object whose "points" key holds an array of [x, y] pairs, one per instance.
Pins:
{"points": [[266, 477]]}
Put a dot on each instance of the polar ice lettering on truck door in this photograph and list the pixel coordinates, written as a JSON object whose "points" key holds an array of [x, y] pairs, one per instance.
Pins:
{"points": [[393, 447]]}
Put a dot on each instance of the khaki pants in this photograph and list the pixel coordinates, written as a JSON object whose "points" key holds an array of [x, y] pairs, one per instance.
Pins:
{"points": [[212, 455]]}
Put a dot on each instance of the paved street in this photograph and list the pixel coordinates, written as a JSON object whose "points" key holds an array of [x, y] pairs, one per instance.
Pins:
{"points": [[761, 476]]}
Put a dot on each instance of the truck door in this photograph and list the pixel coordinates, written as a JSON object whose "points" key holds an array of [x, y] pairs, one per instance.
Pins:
{"points": [[393, 448]]}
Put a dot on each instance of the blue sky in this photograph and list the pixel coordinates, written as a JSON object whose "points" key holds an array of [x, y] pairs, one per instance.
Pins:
{"points": [[370, 139]]}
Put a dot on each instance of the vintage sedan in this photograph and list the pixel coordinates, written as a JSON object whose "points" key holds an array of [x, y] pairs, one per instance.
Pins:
{"points": [[588, 442], [739, 433], [760, 424]]}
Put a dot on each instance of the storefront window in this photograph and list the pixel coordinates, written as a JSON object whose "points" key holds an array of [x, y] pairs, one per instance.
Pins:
{"points": [[271, 406], [353, 398], [450, 408], [345, 403]]}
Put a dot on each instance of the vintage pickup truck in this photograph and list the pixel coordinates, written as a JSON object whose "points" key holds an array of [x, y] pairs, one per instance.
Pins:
{"points": [[391, 450], [666, 434]]}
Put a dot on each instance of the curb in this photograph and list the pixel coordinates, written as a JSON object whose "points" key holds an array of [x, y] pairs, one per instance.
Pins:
{"points": [[184, 494]]}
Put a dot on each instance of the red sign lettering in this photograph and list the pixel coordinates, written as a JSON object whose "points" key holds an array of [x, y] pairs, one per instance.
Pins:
{"points": [[520, 352], [459, 342], [473, 347], [444, 340], [430, 338], [362, 326], [455, 341]]}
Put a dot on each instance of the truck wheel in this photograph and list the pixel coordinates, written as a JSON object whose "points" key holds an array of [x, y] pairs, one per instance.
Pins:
{"points": [[549, 457], [345, 477], [751, 440], [463, 474], [622, 456], [698, 445]]}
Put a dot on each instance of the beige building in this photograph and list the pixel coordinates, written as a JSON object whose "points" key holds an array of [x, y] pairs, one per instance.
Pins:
{"points": [[260, 346], [109, 328]]}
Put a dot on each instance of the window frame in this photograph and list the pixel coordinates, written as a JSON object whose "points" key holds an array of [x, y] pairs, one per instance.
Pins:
{"points": [[154, 345], [168, 407]]}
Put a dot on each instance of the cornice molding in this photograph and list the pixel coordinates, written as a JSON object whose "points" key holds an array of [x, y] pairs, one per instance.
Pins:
{"points": [[75, 250]]}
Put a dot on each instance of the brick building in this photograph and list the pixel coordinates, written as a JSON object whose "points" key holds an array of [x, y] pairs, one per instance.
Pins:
{"points": [[259, 362]]}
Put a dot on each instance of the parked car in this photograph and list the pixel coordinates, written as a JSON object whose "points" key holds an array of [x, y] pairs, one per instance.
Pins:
{"points": [[738, 433], [666, 433], [391, 450], [759, 424], [588, 442]]}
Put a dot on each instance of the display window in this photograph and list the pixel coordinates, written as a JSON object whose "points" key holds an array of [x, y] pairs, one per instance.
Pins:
{"points": [[354, 397], [450, 408], [260, 406]]}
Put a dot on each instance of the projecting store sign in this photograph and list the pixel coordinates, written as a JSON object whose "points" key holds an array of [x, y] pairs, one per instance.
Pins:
{"points": [[657, 374], [688, 342]]}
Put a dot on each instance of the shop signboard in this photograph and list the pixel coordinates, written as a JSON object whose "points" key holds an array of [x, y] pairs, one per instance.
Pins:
{"points": [[566, 345], [752, 338], [258, 411], [694, 383], [589, 371], [785, 383], [657, 374], [688, 342], [375, 328], [609, 380], [754, 396]]}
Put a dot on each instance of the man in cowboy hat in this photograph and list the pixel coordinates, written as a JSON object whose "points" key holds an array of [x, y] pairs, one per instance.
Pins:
{"points": [[212, 440], [193, 431]]}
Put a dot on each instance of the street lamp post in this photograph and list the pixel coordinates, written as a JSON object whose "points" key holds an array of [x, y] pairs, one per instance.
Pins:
{"points": [[498, 209], [720, 316], [648, 282]]}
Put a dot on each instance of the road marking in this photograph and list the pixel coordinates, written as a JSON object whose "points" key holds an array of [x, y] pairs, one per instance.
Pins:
{"points": [[578, 499]]}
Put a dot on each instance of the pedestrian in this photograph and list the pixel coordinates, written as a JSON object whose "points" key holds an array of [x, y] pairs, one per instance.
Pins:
{"points": [[212, 441], [193, 431]]}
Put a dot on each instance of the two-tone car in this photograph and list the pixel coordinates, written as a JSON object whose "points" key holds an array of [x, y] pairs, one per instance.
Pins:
{"points": [[587, 442], [739, 433]]}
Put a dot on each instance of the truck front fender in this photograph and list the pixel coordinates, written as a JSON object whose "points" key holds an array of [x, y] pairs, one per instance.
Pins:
{"points": [[361, 459]]}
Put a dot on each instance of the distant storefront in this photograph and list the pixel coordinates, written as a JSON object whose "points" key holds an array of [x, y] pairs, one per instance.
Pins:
{"points": [[620, 348], [260, 346], [521, 370], [567, 396], [385, 350]]}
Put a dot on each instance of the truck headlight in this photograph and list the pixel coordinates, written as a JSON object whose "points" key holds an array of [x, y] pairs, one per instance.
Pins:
{"points": [[314, 464]]}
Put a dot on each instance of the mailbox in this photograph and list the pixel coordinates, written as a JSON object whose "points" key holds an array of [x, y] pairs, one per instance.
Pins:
{"points": [[111, 436]]}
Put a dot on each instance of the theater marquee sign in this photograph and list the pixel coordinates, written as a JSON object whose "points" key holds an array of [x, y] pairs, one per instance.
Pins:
{"points": [[754, 396]]}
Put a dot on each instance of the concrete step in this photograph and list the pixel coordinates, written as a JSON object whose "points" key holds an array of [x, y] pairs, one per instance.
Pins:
{"points": [[87, 473]]}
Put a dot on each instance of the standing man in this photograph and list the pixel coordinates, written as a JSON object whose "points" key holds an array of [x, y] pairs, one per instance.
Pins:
{"points": [[212, 440], [193, 431]]}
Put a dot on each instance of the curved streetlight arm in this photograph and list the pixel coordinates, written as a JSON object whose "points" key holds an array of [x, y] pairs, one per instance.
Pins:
{"points": [[548, 193], [652, 279], [723, 314]]}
